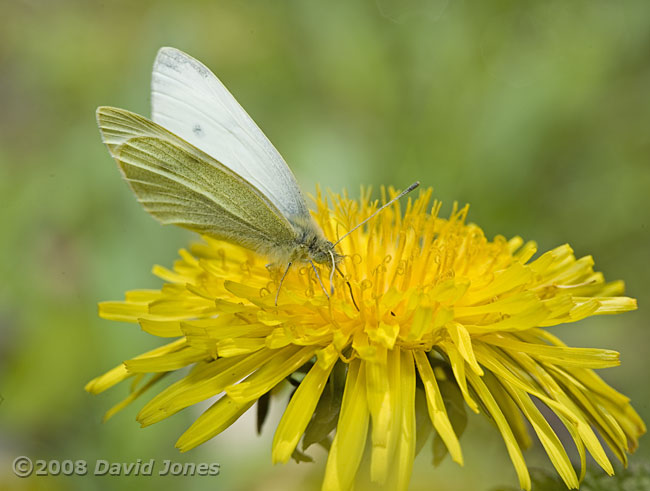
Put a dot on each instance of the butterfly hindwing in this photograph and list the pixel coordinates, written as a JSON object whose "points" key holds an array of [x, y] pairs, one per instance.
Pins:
{"points": [[179, 184]]}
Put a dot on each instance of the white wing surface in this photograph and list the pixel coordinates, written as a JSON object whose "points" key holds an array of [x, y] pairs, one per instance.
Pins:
{"points": [[190, 101], [179, 184]]}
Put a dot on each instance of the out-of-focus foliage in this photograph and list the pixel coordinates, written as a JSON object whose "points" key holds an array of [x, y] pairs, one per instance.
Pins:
{"points": [[537, 113], [634, 478]]}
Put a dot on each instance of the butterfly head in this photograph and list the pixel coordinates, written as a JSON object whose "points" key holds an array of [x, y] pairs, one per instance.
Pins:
{"points": [[321, 251], [311, 245]]}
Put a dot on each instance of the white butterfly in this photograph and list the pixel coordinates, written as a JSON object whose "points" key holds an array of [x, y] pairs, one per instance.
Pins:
{"points": [[203, 164]]}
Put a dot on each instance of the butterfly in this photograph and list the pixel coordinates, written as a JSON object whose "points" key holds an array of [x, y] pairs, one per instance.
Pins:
{"points": [[202, 163]]}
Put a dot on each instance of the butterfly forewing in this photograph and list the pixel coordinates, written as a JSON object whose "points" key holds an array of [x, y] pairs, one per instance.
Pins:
{"points": [[189, 100], [178, 183]]}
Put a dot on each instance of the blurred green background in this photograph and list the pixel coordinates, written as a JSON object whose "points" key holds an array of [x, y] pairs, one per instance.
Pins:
{"points": [[536, 113]]}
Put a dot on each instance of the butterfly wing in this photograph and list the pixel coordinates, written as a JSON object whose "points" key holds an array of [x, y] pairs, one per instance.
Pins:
{"points": [[190, 101], [178, 183]]}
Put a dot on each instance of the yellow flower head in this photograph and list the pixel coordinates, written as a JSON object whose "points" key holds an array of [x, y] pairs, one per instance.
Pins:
{"points": [[426, 308]]}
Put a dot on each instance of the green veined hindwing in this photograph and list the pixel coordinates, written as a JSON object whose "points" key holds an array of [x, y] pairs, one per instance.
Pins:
{"points": [[179, 184]]}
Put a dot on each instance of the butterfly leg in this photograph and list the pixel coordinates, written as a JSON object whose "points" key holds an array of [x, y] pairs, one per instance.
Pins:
{"points": [[277, 294], [332, 273]]}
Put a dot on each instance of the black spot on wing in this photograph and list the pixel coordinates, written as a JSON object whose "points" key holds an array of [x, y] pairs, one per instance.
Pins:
{"points": [[197, 130]]}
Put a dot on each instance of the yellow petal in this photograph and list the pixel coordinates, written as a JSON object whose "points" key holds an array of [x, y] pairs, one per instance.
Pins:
{"points": [[378, 397], [299, 412], [163, 329], [271, 374], [458, 367], [547, 437], [400, 473], [463, 341], [165, 362], [120, 373], [557, 355], [204, 382], [352, 430], [436, 406], [123, 311], [213, 421], [513, 449], [132, 396], [389, 422]]}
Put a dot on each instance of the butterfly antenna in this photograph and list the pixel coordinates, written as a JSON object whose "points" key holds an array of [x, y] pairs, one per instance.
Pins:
{"points": [[277, 294], [400, 195], [319, 280]]}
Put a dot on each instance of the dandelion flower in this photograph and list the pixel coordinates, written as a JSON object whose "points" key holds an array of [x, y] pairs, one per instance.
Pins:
{"points": [[428, 312]]}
